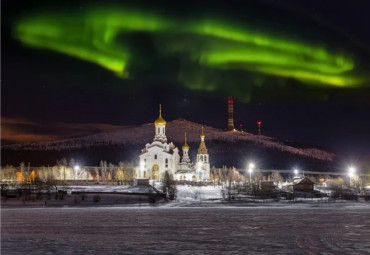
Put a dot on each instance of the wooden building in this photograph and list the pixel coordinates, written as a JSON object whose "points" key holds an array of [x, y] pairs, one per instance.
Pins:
{"points": [[303, 184]]}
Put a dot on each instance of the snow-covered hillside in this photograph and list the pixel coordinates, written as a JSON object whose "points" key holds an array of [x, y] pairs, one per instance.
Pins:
{"points": [[142, 134]]}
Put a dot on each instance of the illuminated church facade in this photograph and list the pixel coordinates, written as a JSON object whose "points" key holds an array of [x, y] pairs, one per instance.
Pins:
{"points": [[160, 156]]}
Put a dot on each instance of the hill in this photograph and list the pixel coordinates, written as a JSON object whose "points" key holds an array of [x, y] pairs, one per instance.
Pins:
{"points": [[225, 147]]}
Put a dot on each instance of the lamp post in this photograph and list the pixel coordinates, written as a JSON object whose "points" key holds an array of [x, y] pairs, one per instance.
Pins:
{"points": [[296, 172], [76, 168], [351, 173], [250, 171]]}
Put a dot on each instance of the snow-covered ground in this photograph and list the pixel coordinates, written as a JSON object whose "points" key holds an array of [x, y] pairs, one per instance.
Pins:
{"points": [[336, 228], [108, 188], [184, 192], [189, 193]]}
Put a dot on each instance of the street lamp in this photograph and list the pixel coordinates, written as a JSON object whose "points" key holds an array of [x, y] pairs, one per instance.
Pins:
{"points": [[76, 168], [296, 172], [250, 171], [351, 173]]}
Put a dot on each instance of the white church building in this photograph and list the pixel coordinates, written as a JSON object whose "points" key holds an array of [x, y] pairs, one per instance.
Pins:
{"points": [[161, 156]]}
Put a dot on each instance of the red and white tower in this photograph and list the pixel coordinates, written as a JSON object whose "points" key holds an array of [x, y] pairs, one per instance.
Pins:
{"points": [[259, 123], [230, 102]]}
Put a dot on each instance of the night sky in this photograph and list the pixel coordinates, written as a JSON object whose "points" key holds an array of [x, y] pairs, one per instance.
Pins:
{"points": [[301, 67]]}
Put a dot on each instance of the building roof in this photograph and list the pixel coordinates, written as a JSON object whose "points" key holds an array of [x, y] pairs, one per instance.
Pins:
{"points": [[302, 180], [202, 146]]}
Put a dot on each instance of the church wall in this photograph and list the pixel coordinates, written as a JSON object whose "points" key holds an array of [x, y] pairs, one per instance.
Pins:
{"points": [[160, 161]]}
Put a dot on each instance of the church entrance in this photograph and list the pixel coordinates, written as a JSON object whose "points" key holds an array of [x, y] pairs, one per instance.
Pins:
{"points": [[155, 172]]}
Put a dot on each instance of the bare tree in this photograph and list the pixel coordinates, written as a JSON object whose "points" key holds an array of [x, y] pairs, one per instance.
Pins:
{"points": [[62, 167], [21, 167], [169, 186], [72, 165], [97, 173], [111, 168], [276, 177], [103, 167], [125, 172]]}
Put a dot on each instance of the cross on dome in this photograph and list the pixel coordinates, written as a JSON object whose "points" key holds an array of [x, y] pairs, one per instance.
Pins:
{"points": [[185, 146], [160, 120]]}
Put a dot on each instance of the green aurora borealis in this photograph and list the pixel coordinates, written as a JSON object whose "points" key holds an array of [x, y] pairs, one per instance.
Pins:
{"points": [[204, 43]]}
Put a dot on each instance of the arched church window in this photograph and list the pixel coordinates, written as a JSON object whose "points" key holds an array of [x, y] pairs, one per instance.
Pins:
{"points": [[155, 156], [159, 130], [166, 160], [205, 158], [201, 158], [144, 174]]}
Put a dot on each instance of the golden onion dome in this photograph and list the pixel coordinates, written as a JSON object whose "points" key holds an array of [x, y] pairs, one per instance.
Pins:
{"points": [[160, 120], [185, 146]]}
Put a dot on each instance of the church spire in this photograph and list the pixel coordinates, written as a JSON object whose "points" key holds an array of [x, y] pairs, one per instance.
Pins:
{"points": [[160, 128], [202, 146], [185, 146], [202, 136], [185, 152], [160, 120]]}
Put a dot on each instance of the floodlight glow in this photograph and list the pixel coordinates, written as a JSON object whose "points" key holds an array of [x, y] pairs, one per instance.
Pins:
{"points": [[295, 171], [251, 165], [351, 171], [77, 168]]}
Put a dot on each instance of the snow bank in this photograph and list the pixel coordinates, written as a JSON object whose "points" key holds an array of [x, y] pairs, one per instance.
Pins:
{"points": [[192, 193]]}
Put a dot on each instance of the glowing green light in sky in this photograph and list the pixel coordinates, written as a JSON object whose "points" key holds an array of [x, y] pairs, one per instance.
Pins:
{"points": [[94, 37]]}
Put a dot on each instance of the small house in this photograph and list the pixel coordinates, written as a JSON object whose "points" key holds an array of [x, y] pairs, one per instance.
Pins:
{"points": [[303, 184]]}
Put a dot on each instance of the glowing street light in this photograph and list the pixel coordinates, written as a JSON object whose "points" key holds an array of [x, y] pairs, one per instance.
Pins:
{"points": [[250, 171], [351, 173], [296, 172], [76, 168]]}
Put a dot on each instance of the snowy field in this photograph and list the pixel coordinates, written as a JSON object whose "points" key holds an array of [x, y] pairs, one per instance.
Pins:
{"points": [[317, 228]]}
